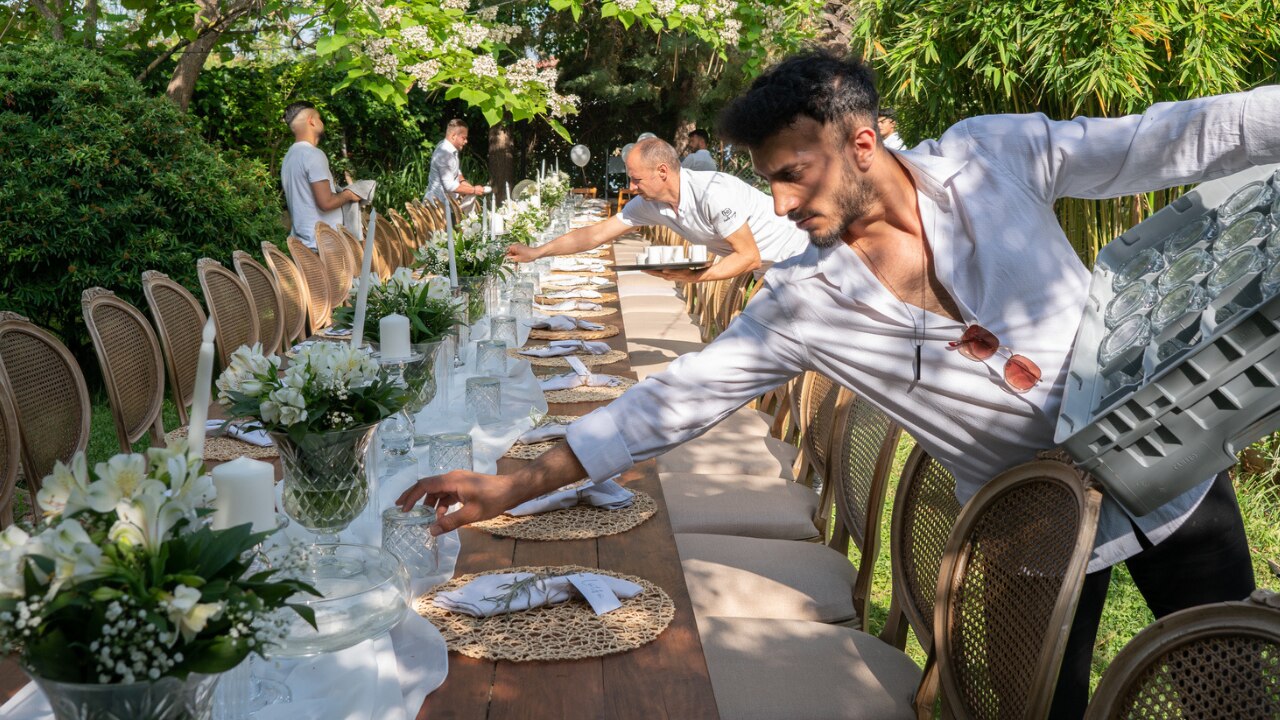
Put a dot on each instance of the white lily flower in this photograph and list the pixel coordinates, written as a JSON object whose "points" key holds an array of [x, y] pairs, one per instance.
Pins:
{"points": [[13, 549], [145, 521], [76, 557], [188, 613], [65, 490]]}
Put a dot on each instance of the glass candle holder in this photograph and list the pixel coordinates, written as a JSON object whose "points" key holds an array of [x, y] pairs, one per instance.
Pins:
{"points": [[502, 328], [484, 399], [448, 451], [1147, 262], [1196, 234], [1251, 196], [1179, 301], [521, 305], [1247, 230], [1232, 269], [406, 535], [491, 357], [1270, 282], [1136, 299], [1135, 332], [1188, 266]]}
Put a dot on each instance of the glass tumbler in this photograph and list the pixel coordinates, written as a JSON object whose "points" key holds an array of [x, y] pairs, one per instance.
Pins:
{"points": [[1232, 269], [1242, 232], [1187, 266], [1270, 283], [521, 305], [491, 357], [448, 451], [1179, 301], [1136, 299], [1247, 198], [484, 399], [1197, 233], [1139, 266], [405, 535], [1135, 332], [502, 328]]}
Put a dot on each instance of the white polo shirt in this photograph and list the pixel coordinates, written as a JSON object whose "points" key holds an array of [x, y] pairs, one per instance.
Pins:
{"points": [[699, 160], [713, 206]]}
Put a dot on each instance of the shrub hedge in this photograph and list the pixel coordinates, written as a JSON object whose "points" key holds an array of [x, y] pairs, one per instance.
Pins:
{"points": [[100, 181]]}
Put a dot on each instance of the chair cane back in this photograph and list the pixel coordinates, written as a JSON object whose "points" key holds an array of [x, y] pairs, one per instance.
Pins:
{"points": [[355, 250], [866, 442], [231, 305], [179, 323], [49, 394], [132, 365], [268, 306], [1010, 581], [10, 456], [409, 233], [1212, 661], [817, 413], [393, 248], [316, 283], [336, 261], [293, 294]]}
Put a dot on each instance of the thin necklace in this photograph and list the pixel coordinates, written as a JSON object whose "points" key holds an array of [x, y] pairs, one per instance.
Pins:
{"points": [[917, 332]]}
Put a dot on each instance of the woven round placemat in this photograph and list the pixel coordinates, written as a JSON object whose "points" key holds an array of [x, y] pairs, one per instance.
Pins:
{"points": [[521, 451], [604, 298], [587, 359], [589, 394], [555, 287], [539, 334], [580, 522], [602, 312], [568, 631], [221, 448]]}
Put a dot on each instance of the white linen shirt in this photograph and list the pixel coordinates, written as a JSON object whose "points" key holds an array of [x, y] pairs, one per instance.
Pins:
{"points": [[699, 160], [713, 205], [446, 172], [986, 190]]}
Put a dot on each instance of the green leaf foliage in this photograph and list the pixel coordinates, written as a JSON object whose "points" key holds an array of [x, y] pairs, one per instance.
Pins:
{"points": [[99, 182]]}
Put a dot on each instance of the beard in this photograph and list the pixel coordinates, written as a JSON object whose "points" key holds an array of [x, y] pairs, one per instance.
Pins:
{"points": [[853, 198]]}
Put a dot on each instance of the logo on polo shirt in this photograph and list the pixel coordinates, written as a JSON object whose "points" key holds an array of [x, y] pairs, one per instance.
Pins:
{"points": [[727, 214]]}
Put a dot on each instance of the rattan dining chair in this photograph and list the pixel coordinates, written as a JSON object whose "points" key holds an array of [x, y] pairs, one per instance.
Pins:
{"points": [[10, 456], [267, 303], [179, 323], [355, 249], [335, 259], [293, 294], [231, 305], [132, 365], [1213, 661], [315, 282], [49, 394], [1011, 576], [409, 235], [388, 247]]}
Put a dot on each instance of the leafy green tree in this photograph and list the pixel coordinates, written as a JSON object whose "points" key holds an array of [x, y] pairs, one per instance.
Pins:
{"points": [[100, 181], [940, 61]]}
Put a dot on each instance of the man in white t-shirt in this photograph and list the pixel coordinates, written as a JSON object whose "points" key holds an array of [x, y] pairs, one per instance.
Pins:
{"points": [[446, 170], [887, 124], [308, 184], [733, 219], [699, 158]]}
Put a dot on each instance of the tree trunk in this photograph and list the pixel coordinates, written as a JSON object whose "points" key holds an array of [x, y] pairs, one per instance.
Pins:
{"points": [[54, 19], [684, 126], [91, 24], [502, 159], [183, 84]]}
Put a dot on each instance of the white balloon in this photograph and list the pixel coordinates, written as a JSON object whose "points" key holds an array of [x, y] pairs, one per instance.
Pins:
{"points": [[580, 155], [626, 150], [645, 136]]}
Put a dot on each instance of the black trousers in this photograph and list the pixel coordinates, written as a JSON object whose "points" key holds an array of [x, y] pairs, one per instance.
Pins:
{"points": [[1204, 561]]}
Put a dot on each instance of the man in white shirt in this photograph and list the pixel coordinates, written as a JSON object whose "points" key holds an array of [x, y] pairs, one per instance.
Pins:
{"points": [[699, 158], [309, 190], [446, 170], [731, 218], [911, 252], [887, 124]]}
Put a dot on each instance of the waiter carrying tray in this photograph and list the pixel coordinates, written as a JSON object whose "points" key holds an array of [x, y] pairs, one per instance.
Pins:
{"points": [[728, 216]]}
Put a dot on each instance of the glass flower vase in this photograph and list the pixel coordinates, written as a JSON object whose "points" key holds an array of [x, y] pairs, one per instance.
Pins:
{"points": [[477, 289], [420, 377], [325, 482], [165, 699]]}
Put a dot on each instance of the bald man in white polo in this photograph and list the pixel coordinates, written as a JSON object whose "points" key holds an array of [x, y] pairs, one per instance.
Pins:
{"points": [[731, 218]]}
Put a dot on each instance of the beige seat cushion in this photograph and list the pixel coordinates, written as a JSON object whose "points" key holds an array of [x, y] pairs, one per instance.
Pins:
{"points": [[731, 453], [772, 669], [748, 505], [732, 576]]}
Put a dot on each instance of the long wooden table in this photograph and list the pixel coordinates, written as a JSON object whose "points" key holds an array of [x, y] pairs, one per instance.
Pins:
{"points": [[664, 679]]}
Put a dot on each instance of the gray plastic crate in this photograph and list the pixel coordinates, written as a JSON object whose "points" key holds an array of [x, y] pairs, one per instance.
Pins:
{"points": [[1173, 411]]}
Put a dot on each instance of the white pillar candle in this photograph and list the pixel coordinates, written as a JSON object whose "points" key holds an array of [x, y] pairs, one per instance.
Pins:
{"points": [[557, 169], [393, 336], [453, 260], [698, 253], [200, 402], [542, 174], [246, 495], [362, 295]]}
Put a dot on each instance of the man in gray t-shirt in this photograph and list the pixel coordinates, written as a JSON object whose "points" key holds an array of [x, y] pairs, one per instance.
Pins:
{"points": [[308, 184]]}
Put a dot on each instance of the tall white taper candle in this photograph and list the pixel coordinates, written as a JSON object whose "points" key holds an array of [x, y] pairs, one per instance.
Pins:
{"points": [[204, 380], [453, 260], [362, 295]]}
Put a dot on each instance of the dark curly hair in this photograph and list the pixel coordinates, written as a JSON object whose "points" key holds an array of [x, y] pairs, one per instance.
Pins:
{"points": [[817, 83]]}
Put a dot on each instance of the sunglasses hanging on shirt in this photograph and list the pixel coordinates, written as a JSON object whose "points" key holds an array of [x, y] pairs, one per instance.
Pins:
{"points": [[980, 344]]}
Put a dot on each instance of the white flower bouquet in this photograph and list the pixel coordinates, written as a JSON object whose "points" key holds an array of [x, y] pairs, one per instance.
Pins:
{"points": [[553, 189], [524, 220], [427, 303], [476, 254], [123, 583], [327, 387]]}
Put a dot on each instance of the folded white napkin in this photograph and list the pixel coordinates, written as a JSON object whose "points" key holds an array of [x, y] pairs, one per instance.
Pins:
{"points": [[579, 293], [557, 348], [253, 437], [487, 595], [563, 323], [568, 305], [608, 495], [563, 263], [576, 280], [553, 431], [336, 332], [363, 188], [573, 380]]}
